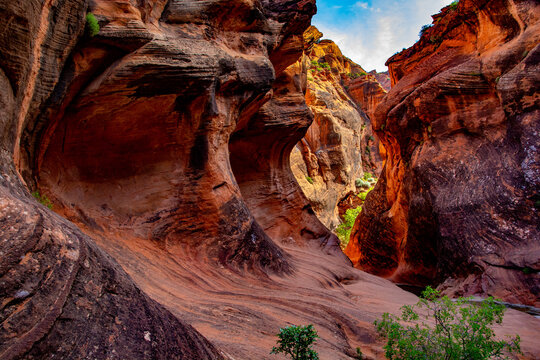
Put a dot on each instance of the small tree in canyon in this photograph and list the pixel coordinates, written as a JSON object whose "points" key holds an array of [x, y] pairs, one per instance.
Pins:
{"points": [[461, 331]]}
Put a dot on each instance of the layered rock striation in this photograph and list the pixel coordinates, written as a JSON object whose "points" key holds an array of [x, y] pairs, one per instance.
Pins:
{"points": [[339, 145], [177, 230], [457, 202], [61, 295]]}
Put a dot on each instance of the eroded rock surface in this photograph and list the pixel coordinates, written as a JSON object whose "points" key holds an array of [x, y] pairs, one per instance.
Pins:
{"points": [[178, 230], [457, 203], [339, 145], [61, 296]]}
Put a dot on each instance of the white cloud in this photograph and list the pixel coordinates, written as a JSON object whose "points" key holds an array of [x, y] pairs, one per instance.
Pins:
{"points": [[362, 5], [391, 26]]}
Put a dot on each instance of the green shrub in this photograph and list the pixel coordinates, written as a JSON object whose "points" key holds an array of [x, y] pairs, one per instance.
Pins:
{"points": [[42, 199], [527, 270], [454, 5], [318, 66], [343, 231], [367, 175], [424, 29], [361, 183], [461, 331], [356, 75], [92, 24], [362, 196], [309, 179], [359, 354], [296, 341]]}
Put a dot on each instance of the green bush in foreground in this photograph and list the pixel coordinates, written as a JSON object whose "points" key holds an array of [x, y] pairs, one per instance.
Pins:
{"points": [[296, 341], [446, 329], [309, 179]]}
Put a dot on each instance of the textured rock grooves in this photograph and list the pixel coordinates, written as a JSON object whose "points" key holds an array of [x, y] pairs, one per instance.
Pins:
{"points": [[179, 231], [326, 161], [456, 201]]}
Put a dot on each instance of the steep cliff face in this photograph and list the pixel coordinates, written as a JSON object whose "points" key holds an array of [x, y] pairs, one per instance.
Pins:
{"points": [[339, 146], [163, 140], [457, 203], [61, 295]]}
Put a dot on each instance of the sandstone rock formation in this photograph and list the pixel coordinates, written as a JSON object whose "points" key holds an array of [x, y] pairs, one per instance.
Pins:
{"points": [[455, 205], [61, 295], [383, 78], [178, 231], [339, 146]]}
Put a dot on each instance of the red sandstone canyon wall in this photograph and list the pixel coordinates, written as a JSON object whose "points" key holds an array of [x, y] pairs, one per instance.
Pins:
{"points": [[339, 145], [457, 203]]}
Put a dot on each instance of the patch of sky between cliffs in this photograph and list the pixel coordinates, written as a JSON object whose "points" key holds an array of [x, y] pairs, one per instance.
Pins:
{"points": [[371, 31]]}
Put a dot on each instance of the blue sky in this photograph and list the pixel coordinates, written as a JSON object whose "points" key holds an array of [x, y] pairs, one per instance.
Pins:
{"points": [[370, 31]]}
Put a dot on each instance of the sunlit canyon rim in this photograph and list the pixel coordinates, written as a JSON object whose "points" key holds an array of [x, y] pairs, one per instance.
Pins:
{"points": [[178, 230]]}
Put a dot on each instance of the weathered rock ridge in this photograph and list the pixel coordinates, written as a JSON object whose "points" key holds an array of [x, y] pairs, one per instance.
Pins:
{"points": [[457, 203], [339, 145], [178, 231]]}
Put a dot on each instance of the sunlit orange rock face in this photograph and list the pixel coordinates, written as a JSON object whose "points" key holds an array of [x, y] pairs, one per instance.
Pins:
{"points": [[339, 145], [457, 203]]}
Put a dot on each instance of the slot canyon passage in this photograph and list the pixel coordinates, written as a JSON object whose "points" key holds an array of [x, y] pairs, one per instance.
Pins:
{"points": [[196, 155]]}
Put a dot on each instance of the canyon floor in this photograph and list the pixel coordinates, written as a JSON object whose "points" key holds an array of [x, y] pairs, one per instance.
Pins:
{"points": [[241, 313]]}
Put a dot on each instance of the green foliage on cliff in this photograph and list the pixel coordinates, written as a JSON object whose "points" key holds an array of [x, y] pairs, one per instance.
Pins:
{"points": [[446, 329], [309, 179], [296, 341], [92, 24], [356, 75], [343, 231], [42, 199], [424, 29], [361, 183], [453, 5], [319, 66]]}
